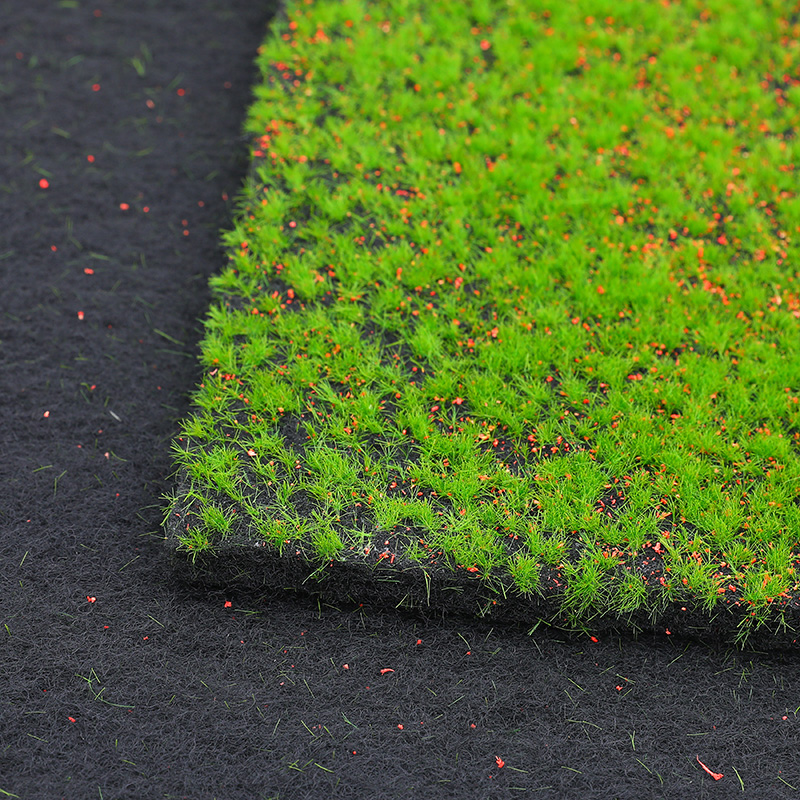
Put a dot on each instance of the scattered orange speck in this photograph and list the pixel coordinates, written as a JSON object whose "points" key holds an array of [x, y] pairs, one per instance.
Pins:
{"points": [[95, 87], [715, 775], [46, 414], [44, 183], [124, 206], [80, 315]]}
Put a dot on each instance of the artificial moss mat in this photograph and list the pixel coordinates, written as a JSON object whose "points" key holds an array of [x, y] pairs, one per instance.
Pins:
{"points": [[509, 322]]}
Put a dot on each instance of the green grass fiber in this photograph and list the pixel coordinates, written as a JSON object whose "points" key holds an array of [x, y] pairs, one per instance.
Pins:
{"points": [[512, 294]]}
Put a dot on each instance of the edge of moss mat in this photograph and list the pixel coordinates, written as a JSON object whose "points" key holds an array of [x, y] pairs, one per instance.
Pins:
{"points": [[510, 340]]}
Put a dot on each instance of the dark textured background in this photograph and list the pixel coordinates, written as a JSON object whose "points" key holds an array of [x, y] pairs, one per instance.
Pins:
{"points": [[156, 689]]}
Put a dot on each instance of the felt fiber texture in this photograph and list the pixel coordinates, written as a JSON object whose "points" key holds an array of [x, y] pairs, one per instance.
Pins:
{"points": [[120, 680]]}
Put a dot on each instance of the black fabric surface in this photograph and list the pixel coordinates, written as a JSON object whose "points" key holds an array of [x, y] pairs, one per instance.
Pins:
{"points": [[117, 680]]}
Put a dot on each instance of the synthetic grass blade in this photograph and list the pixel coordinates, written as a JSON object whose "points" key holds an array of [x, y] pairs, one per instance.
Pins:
{"points": [[511, 315]]}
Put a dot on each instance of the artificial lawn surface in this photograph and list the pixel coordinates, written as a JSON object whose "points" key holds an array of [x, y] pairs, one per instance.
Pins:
{"points": [[119, 681], [511, 316]]}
